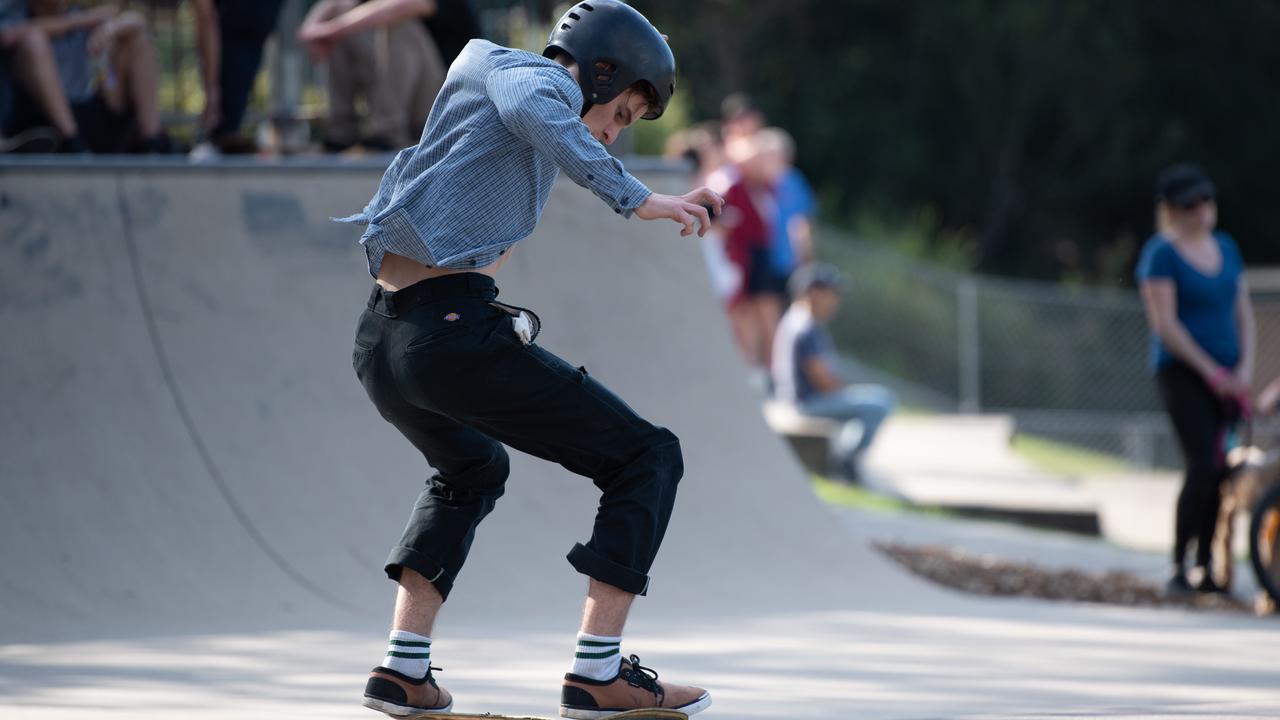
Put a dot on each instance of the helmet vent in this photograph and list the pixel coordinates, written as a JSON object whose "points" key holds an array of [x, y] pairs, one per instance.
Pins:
{"points": [[586, 6], [575, 16], [565, 26]]}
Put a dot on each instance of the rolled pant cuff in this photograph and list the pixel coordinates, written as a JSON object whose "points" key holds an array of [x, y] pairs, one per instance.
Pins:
{"points": [[596, 566], [427, 567]]}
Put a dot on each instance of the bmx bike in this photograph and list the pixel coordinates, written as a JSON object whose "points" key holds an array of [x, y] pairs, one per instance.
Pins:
{"points": [[1264, 541]]}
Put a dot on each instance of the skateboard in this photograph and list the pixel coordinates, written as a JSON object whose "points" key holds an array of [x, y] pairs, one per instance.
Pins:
{"points": [[627, 715]]}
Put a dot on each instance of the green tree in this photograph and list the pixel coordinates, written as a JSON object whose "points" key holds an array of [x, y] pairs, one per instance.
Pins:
{"points": [[1034, 126]]}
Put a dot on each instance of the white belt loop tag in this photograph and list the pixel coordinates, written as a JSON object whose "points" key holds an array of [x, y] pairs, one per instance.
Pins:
{"points": [[524, 323], [523, 327]]}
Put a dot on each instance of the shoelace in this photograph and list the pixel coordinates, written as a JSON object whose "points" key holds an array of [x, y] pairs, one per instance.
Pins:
{"points": [[643, 678]]}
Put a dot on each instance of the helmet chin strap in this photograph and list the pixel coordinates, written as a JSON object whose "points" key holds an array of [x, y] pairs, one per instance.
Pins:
{"points": [[586, 108]]}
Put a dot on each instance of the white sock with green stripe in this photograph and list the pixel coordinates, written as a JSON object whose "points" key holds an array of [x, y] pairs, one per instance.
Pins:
{"points": [[597, 657], [408, 653]]}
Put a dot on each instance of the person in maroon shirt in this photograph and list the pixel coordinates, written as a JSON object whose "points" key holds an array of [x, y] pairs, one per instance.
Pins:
{"points": [[747, 223]]}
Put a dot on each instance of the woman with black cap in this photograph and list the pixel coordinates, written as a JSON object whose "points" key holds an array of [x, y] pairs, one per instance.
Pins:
{"points": [[1202, 350]]}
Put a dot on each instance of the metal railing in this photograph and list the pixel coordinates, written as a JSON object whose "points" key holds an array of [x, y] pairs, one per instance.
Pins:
{"points": [[1067, 363]]}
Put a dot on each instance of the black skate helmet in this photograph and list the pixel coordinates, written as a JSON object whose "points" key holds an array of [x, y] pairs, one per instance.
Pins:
{"points": [[615, 33]]}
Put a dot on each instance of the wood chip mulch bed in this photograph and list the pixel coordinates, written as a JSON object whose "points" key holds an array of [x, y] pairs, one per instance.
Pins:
{"points": [[987, 575]]}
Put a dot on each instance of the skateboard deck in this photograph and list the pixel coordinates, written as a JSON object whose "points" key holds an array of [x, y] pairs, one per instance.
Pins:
{"points": [[627, 715]]}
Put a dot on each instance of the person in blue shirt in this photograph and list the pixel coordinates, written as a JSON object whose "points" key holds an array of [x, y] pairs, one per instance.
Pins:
{"points": [[1193, 287], [792, 243], [459, 374], [806, 373]]}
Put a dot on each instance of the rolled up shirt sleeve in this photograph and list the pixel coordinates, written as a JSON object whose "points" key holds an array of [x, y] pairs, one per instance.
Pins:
{"points": [[540, 107]]}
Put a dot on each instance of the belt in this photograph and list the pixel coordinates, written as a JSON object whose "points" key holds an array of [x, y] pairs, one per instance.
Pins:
{"points": [[475, 285]]}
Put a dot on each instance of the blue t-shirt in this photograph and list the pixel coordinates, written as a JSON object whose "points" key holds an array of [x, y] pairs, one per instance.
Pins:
{"points": [[794, 198], [1206, 304], [798, 338]]}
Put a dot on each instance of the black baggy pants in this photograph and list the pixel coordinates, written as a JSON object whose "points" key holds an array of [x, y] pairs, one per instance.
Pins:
{"points": [[444, 367]]}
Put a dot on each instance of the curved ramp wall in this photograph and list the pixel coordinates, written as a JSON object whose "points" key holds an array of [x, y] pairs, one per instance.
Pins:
{"points": [[183, 436]]}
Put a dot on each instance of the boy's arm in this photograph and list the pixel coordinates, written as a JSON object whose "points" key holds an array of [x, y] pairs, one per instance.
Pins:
{"points": [[538, 106], [374, 14], [55, 25]]}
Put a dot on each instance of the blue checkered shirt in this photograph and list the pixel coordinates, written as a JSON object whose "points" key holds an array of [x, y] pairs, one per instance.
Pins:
{"points": [[504, 125]]}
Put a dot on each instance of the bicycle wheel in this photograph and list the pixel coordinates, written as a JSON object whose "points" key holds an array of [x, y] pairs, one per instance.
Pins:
{"points": [[1264, 541]]}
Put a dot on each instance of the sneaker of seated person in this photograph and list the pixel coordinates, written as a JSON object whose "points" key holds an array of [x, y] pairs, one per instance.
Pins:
{"points": [[378, 144], [634, 688], [334, 145], [235, 144], [158, 144], [73, 145], [38, 140], [399, 695]]}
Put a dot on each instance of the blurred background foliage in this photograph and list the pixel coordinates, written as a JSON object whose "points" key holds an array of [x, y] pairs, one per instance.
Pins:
{"points": [[1015, 137], [1008, 137]]}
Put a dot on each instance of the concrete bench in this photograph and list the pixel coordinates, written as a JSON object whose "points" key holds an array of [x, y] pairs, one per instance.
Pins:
{"points": [[809, 436]]}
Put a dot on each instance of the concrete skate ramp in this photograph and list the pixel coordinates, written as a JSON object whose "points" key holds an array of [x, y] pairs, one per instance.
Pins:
{"points": [[196, 498], [184, 437]]}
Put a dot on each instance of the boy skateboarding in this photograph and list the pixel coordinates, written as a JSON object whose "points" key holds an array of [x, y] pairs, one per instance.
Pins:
{"points": [[458, 374]]}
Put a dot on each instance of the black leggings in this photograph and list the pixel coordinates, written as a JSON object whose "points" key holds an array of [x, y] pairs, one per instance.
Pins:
{"points": [[1200, 419], [243, 27]]}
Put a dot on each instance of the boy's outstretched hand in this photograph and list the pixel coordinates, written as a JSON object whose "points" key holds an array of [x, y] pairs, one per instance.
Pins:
{"points": [[693, 208]]}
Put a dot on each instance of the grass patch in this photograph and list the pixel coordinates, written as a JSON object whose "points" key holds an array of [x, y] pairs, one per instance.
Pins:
{"points": [[1064, 459], [843, 494]]}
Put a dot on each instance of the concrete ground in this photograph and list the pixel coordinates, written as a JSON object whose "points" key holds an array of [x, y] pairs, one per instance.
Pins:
{"points": [[197, 497]]}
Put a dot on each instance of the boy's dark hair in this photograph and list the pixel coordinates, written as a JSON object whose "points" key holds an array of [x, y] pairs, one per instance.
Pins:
{"points": [[735, 105], [646, 90]]}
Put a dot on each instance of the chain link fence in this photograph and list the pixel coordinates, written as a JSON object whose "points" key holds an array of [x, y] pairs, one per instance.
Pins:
{"points": [[1068, 364]]}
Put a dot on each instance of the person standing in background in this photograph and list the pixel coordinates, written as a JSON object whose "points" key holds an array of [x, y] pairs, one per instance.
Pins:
{"points": [[452, 25], [230, 36], [792, 242], [1191, 277], [750, 214]]}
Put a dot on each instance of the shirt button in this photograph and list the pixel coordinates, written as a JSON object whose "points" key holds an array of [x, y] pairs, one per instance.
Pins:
{"points": [[626, 201], [591, 176]]}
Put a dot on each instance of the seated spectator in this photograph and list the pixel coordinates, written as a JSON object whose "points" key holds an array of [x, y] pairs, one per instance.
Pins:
{"points": [[90, 75], [375, 51], [806, 374]]}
